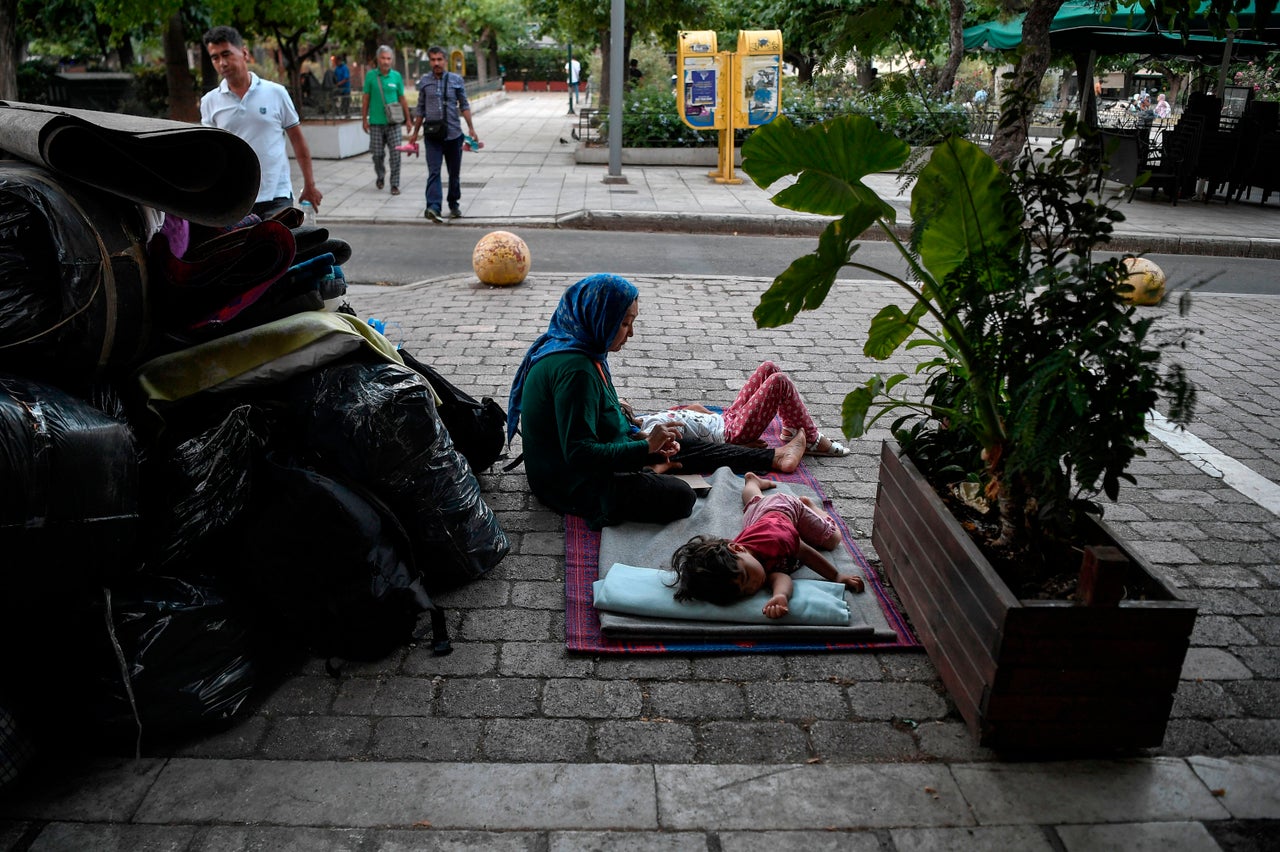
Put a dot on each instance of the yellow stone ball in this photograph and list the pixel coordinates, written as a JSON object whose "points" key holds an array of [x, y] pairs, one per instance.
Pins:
{"points": [[501, 259], [1147, 280]]}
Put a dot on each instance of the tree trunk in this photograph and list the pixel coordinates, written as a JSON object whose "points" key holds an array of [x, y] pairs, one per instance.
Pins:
{"points": [[9, 50], [183, 105], [1023, 92], [864, 72], [124, 51], [605, 68], [955, 49]]}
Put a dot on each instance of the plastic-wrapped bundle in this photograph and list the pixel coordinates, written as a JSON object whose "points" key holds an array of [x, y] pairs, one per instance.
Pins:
{"points": [[188, 652], [69, 506], [73, 278], [326, 565], [377, 424], [199, 487]]}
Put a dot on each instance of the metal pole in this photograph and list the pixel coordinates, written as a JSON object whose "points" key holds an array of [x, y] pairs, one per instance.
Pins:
{"points": [[617, 21], [572, 84]]}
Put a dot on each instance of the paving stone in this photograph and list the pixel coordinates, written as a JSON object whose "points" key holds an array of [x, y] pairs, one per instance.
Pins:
{"points": [[1202, 700], [908, 665], [645, 742], [241, 740], [1221, 602], [697, 700], [406, 696], [1257, 698], [356, 696], [541, 659], [224, 838], [315, 793], [493, 697], [486, 593], [467, 658], [1185, 737], [752, 742], [786, 700], [432, 840], [429, 739], [644, 668], [1145, 790], [799, 841], [63, 836], [1025, 838], [615, 841], [316, 737], [1138, 837], [101, 790], [745, 668], [914, 701], [11, 832], [1247, 783], [1265, 629], [538, 595], [613, 699], [530, 566], [835, 668], [1262, 660], [1170, 552], [536, 740], [1220, 630], [300, 696], [800, 797], [861, 742], [1213, 664], [517, 625]]}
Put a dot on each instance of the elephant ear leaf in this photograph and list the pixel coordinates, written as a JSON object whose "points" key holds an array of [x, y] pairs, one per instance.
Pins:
{"points": [[804, 285], [890, 328], [830, 159], [959, 207]]}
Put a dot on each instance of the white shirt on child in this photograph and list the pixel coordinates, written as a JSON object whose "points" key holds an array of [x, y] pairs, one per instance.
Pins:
{"points": [[708, 427]]}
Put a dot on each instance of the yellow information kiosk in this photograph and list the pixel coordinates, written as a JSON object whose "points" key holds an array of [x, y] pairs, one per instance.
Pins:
{"points": [[722, 91]]}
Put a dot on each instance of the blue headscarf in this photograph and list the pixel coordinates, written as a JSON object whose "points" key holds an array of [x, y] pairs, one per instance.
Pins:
{"points": [[586, 320]]}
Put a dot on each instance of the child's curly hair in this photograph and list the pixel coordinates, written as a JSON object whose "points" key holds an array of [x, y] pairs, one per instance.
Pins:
{"points": [[706, 570]]}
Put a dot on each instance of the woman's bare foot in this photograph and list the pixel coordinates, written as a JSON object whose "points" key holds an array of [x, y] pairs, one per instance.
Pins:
{"points": [[787, 457], [761, 483]]}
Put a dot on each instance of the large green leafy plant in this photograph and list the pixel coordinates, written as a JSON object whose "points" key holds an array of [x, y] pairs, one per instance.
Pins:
{"points": [[1036, 377]]}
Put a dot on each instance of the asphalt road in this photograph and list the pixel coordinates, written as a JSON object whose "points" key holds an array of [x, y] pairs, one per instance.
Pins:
{"points": [[402, 254]]}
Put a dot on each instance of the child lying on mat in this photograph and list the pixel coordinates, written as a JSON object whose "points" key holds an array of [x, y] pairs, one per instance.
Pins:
{"points": [[780, 532], [769, 392]]}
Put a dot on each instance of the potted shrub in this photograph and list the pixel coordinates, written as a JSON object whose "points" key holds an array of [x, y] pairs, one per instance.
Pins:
{"points": [[1029, 402]]}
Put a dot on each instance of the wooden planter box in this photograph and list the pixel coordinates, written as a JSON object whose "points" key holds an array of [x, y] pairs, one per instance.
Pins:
{"points": [[513, 85], [1028, 675], [558, 86]]}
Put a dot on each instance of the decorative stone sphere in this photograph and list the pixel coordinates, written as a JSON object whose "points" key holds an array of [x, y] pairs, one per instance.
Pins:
{"points": [[501, 258], [1147, 281]]}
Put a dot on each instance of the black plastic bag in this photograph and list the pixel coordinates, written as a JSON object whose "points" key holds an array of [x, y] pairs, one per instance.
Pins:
{"points": [[188, 652], [377, 425], [325, 565], [198, 487], [477, 427], [69, 501]]}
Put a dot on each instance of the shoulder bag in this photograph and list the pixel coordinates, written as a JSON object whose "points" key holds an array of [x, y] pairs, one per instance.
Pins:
{"points": [[435, 130], [395, 112]]}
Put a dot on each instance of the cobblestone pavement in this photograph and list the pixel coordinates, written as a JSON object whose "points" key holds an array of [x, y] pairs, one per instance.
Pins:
{"points": [[512, 743]]}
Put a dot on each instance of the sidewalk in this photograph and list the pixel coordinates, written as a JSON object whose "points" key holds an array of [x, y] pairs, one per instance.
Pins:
{"points": [[526, 176], [512, 743]]}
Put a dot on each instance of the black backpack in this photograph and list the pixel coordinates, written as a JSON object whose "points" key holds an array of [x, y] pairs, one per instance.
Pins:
{"points": [[478, 428]]}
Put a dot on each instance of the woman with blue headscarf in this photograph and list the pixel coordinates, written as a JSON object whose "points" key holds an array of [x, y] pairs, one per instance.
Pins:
{"points": [[580, 453]]}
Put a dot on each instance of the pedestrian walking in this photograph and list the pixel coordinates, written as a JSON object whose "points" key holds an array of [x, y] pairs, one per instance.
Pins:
{"points": [[442, 105], [573, 70], [261, 113], [385, 110]]}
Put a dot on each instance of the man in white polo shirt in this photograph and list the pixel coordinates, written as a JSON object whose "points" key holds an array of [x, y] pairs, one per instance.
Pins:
{"points": [[261, 113]]}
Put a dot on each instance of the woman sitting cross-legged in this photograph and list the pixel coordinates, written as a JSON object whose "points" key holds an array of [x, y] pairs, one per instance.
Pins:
{"points": [[581, 453]]}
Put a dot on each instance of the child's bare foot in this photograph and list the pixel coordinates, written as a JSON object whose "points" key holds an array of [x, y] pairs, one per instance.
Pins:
{"points": [[776, 607], [787, 457], [761, 483]]}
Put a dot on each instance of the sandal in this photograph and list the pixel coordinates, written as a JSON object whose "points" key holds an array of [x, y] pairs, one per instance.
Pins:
{"points": [[834, 449]]}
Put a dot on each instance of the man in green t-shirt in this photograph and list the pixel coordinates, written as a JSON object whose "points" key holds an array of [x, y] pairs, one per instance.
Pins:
{"points": [[382, 89]]}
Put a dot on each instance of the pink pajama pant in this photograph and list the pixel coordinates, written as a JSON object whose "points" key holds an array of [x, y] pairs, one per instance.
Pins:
{"points": [[769, 391]]}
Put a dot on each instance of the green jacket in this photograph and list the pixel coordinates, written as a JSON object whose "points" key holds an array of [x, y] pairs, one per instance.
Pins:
{"points": [[575, 435]]}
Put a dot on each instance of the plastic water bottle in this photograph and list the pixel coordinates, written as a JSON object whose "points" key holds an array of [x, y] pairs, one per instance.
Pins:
{"points": [[377, 325], [308, 214]]}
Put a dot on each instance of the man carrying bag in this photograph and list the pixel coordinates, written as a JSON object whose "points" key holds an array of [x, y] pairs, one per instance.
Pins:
{"points": [[442, 104], [385, 109]]}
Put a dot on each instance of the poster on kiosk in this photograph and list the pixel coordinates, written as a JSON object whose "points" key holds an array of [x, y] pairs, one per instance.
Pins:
{"points": [[759, 77], [701, 73]]}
